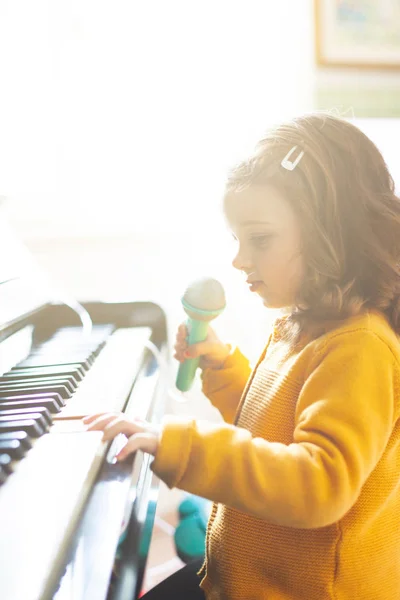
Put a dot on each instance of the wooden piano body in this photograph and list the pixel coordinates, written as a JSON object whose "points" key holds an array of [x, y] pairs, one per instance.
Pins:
{"points": [[74, 524]]}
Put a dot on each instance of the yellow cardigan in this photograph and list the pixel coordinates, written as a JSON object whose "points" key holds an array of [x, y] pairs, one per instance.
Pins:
{"points": [[306, 483]]}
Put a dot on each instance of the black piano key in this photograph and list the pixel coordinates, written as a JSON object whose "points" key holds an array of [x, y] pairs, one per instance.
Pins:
{"points": [[13, 377], [44, 358], [51, 405], [71, 340], [68, 338], [6, 463], [30, 426], [39, 382], [35, 363], [3, 475], [99, 332], [22, 397], [31, 389], [68, 345], [13, 449], [22, 437], [26, 412], [75, 370], [63, 345], [32, 416]]}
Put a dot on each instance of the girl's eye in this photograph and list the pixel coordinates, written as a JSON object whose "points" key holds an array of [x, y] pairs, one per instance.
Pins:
{"points": [[260, 241]]}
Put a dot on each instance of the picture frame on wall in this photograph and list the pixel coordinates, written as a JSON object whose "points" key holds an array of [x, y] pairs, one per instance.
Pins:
{"points": [[358, 33]]}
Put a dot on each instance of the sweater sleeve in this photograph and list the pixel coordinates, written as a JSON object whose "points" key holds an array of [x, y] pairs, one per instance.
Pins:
{"points": [[224, 387], [345, 415]]}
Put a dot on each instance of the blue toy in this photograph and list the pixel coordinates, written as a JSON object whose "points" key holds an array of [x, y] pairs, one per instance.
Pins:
{"points": [[190, 534]]}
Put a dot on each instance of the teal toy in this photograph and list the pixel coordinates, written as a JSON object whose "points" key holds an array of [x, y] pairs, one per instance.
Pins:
{"points": [[202, 301], [190, 534]]}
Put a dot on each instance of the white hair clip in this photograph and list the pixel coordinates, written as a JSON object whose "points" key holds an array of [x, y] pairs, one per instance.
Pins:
{"points": [[288, 164]]}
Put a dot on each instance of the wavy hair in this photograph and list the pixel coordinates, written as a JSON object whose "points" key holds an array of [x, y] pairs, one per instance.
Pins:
{"points": [[349, 214]]}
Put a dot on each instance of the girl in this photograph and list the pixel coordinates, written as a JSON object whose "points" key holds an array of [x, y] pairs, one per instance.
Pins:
{"points": [[304, 473]]}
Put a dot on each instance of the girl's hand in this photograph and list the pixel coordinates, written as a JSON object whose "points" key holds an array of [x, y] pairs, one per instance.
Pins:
{"points": [[212, 351], [141, 434]]}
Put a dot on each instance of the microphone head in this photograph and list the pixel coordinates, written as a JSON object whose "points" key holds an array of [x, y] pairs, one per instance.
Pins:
{"points": [[204, 299]]}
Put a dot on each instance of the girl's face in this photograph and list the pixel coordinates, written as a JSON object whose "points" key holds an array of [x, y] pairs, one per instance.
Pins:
{"points": [[268, 240]]}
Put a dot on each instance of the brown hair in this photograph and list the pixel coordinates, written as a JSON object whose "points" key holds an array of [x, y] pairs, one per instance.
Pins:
{"points": [[343, 195]]}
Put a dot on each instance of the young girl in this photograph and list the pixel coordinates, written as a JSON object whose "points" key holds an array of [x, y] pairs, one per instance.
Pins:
{"points": [[305, 471]]}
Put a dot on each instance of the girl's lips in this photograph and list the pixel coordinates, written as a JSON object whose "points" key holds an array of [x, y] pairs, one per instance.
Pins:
{"points": [[255, 285]]}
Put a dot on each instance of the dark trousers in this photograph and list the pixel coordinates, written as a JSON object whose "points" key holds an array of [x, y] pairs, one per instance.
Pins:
{"points": [[182, 585]]}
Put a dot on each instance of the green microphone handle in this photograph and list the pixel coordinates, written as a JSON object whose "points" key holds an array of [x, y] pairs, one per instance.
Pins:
{"points": [[187, 370]]}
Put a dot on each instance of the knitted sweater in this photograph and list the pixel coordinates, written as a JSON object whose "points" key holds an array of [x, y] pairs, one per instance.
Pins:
{"points": [[306, 482]]}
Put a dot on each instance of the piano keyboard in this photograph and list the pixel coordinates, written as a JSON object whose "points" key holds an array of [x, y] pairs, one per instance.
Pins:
{"points": [[48, 462]]}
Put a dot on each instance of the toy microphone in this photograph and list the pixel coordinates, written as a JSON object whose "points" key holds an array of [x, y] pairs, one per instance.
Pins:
{"points": [[203, 300]]}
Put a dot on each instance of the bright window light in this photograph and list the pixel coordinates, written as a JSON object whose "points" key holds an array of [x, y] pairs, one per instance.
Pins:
{"points": [[124, 116]]}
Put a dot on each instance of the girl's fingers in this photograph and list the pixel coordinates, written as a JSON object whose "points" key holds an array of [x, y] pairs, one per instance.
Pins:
{"points": [[140, 441], [112, 425], [180, 348], [142, 435], [179, 357], [91, 418], [182, 332], [99, 421], [196, 350], [120, 425]]}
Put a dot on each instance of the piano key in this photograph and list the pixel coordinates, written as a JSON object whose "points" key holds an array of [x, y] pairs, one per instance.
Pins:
{"points": [[99, 331], [6, 463], [21, 436], [51, 405], [64, 347], [40, 374], [53, 397], [40, 381], [13, 449], [40, 410], [99, 391], [31, 389], [53, 360], [66, 343], [97, 336], [75, 370], [60, 353], [35, 364], [30, 426], [35, 416], [3, 475]]}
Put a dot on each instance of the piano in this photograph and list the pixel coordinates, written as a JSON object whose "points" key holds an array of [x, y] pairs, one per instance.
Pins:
{"points": [[74, 524]]}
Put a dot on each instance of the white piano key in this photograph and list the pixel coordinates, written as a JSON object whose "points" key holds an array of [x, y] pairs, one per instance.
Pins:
{"points": [[107, 384]]}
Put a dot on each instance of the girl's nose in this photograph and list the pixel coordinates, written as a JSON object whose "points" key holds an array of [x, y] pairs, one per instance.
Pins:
{"points": [[235, 263], [239, 262]]}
